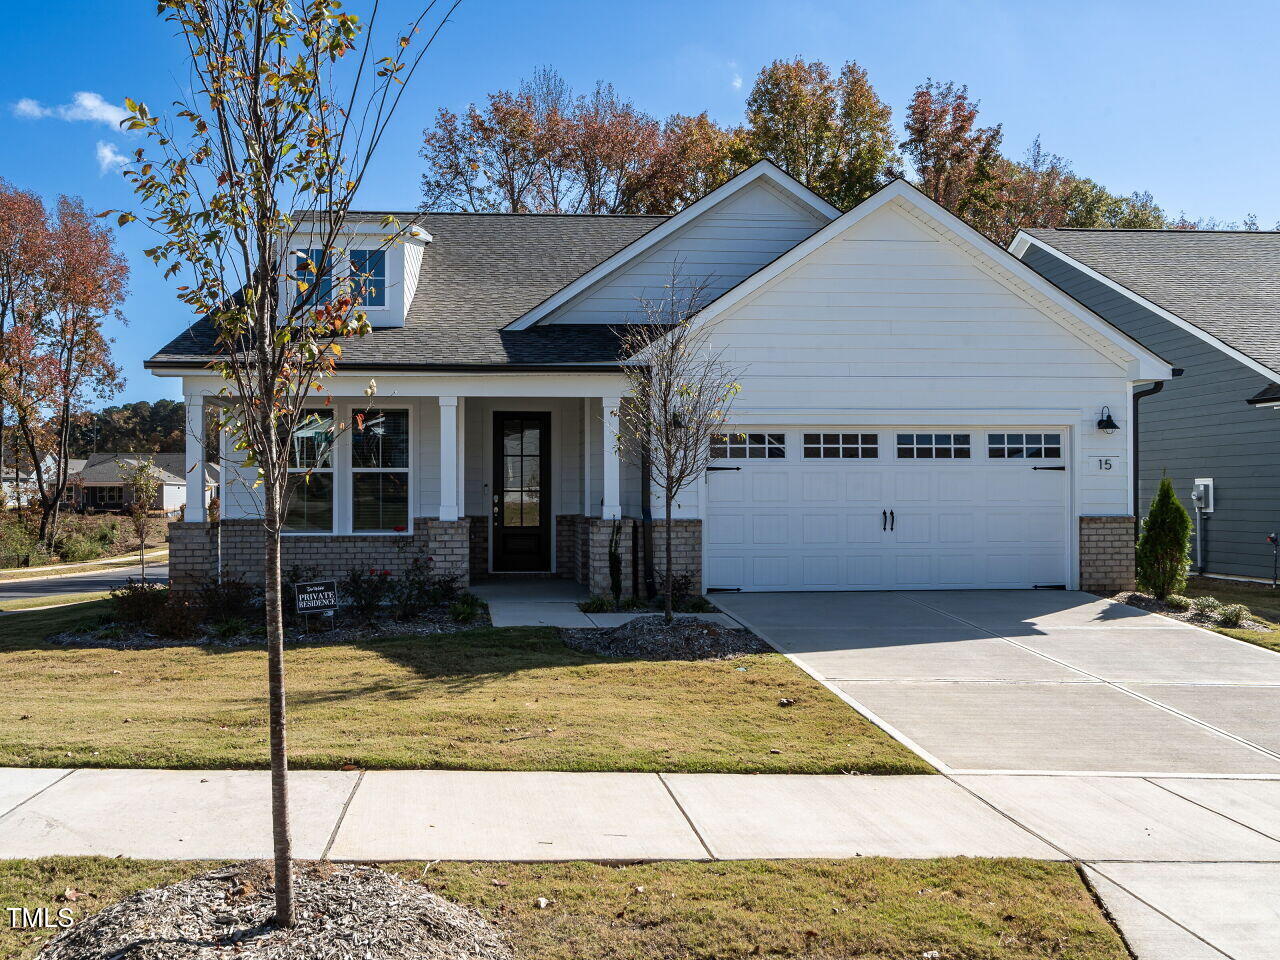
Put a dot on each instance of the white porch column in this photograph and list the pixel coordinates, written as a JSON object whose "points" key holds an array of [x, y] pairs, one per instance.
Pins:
{"points": [[194, 511], [462, 457], [612, 507], [448, 458], [587, 505]]}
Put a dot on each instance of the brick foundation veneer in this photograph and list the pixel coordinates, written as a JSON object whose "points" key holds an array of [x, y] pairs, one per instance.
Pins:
{"points": [[686, 551], [195, 547], [1107, 562]]}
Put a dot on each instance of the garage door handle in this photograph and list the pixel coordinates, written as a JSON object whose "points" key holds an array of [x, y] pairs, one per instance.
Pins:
{"points": [[1048, 468], [891, 520], [884, 520], [710, 469]]}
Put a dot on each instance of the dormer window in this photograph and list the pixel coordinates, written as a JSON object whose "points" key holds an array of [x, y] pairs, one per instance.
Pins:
{"points": [[310, 263], [369, 277]]}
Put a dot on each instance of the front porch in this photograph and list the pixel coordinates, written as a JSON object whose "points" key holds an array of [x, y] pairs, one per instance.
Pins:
{"points": [[486, 485]]}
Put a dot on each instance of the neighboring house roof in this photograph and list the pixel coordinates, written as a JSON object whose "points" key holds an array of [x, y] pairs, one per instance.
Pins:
{"points": [[108, 468], [1143, 364], [1223, 286], [481, 272]]}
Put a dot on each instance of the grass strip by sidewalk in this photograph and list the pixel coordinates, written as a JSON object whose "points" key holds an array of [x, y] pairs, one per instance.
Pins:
{"points": [[1263, 602], [489, 699], [805, 909], [52, 600]]}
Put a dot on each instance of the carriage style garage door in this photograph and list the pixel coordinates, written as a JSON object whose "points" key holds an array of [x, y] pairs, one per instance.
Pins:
{"points": [[879, 508]]}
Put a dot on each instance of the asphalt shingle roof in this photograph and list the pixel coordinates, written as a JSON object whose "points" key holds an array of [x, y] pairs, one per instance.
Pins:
{"points": [[107, 467], [1227, 283], [481, 272]]}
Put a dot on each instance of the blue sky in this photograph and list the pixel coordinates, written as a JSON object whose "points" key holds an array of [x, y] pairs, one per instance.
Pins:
{"points": [[1179, 98]]}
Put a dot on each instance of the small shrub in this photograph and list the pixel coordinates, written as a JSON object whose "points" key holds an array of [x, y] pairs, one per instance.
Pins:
{"points": [[1206, 606], [230, 628], [76, 548], [231, 599], [1233, 615], [177, 619], [19, 546], [107, 533], [597, 603], [1164, 549], [367, 591], [413, 592], [466, 608], [1177, 601], [137, 603]]}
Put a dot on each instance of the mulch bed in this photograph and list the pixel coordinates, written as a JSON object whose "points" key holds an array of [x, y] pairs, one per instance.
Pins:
{"points": [[348, 912], [115, 636], [1149, 603], [652, 638]]}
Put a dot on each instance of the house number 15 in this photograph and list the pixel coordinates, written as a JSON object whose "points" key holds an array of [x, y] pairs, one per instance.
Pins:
{"points": [[1104, 463]]}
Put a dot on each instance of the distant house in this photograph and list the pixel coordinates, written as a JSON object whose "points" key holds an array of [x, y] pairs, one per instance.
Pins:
{"points": [[1207, 302], [101, 481]]}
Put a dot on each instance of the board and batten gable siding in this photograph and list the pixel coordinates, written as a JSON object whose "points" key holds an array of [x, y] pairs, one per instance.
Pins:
{"points": [[1199, 425], [891, 319], [720, 248]]}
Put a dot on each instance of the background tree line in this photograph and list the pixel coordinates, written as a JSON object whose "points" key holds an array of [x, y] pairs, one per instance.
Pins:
{"points": [[543, 148], [138, 427]]}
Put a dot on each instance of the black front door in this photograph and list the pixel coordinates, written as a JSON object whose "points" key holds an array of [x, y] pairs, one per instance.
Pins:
{"points": [[521, 491]]}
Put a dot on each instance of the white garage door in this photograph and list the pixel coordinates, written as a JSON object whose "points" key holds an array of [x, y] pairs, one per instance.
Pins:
{"points": [[881, 508]]}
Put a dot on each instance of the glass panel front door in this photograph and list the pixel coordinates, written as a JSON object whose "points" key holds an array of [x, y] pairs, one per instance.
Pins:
{"points": [[521, 515]]}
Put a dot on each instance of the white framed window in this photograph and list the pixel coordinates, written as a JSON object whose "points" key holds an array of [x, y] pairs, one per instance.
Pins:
{"points": [[749, 446], [934, 446], [380, 481], [310, 506], [841, 446], [1024, 446], [369, 277], [111, 495]]}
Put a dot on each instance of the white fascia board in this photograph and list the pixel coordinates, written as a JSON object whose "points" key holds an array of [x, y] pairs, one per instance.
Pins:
{"points": [[762, 170], [1023, 240], [1148, 365]]}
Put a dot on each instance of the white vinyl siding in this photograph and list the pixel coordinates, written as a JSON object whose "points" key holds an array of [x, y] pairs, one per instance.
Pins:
{"points": [[890, 317], [723, 246]]}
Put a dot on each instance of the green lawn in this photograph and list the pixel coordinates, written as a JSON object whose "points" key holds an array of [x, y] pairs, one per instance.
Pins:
{"points": [[871, 908], [57, 599], [1262, 601], [487, 699]]}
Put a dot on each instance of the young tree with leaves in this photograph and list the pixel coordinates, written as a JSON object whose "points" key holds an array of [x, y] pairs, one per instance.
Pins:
{"points": [[23, 236], [288, 106], [1164, 548], [143, 484], [682, 391]]}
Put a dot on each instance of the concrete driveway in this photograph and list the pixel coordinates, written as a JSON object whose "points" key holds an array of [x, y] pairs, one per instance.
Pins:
{"points": [[1054, 682]]}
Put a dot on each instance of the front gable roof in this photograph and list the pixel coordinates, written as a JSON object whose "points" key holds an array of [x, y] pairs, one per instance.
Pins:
{"points": [[1220, 286], [761, 172], [990, 258]]}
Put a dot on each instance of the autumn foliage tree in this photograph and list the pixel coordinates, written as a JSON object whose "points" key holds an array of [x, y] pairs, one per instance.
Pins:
{"points": [[66, 279], [262, 159]]}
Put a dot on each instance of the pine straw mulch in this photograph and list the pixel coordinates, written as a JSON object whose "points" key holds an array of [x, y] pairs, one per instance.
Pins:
{"points": [[345, 912], [652, 638], [117, 636]]}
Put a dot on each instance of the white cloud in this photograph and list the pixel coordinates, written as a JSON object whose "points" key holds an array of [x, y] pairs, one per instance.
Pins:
{"points": [[736, 81], [109, 158], [85, 105]]}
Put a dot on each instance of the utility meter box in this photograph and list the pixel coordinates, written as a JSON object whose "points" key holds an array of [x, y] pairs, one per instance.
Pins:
{"points": [[1202, 494]]}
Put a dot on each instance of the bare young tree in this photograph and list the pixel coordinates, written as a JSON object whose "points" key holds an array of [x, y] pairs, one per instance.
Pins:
{"points": [[250, 196], [143, 485], [682, 392]]}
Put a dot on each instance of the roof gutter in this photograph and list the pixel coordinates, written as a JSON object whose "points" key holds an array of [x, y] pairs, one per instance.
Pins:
{"points": [[1138, 395], [195, 367]]}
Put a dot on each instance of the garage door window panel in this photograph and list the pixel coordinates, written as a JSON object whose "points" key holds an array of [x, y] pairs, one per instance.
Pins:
{"points": [[934, 446], [749, 446], [841, 446], [1024, 446]]}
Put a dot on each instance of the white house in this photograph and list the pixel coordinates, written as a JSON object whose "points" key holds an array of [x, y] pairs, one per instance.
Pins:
{"points": [[919, 409]]}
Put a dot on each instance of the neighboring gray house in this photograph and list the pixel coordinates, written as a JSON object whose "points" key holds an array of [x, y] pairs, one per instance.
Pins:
{"points": [[1207, 302], [99, 482]]}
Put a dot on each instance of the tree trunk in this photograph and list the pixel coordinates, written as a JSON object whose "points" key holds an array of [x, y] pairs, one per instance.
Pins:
{"points": [[668, 610], [280, 831]]}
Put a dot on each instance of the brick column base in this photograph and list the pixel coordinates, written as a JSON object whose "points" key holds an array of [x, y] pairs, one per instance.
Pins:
{"points": [[686, 551], [1107, 563], [193, 555]]}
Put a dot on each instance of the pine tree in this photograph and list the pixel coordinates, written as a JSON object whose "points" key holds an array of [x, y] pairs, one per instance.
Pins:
{"points": [[1164, 549]]}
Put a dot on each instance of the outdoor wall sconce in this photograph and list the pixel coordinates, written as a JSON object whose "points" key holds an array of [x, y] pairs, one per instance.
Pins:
{"points": [[1107, 423]]}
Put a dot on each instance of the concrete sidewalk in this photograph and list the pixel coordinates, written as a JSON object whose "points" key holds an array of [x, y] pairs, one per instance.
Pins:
{"points": [[1190, 866]]}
